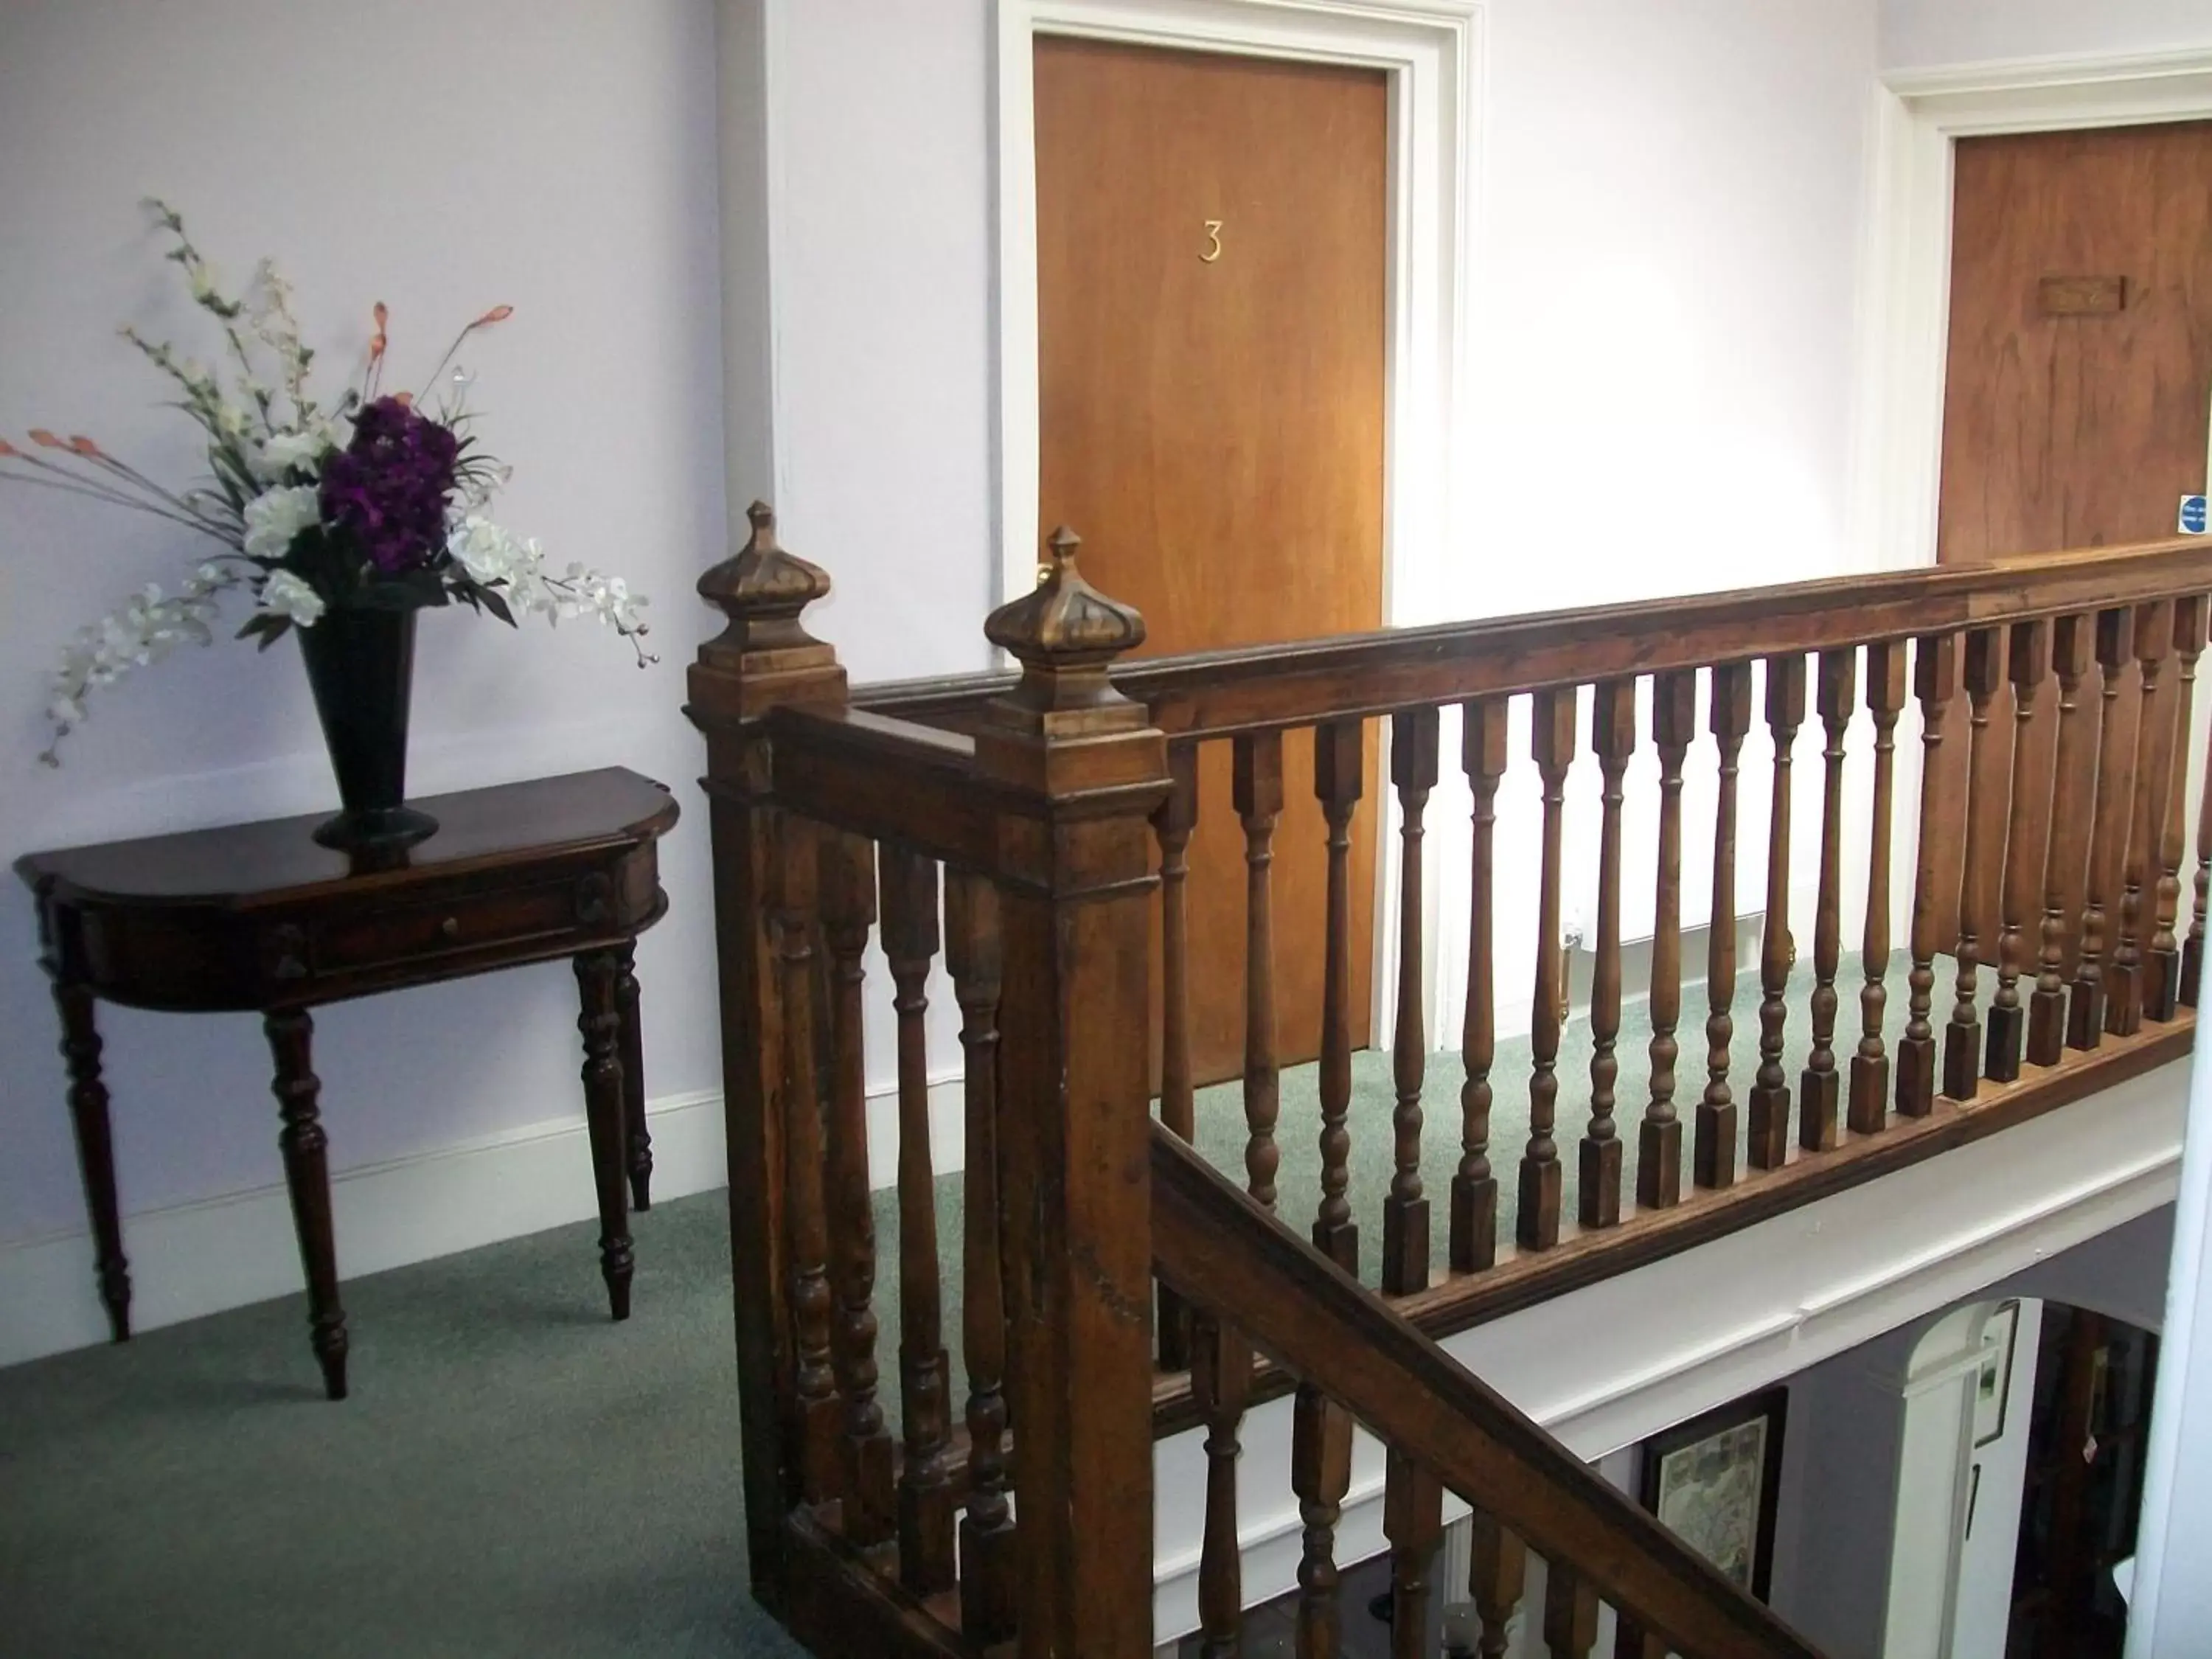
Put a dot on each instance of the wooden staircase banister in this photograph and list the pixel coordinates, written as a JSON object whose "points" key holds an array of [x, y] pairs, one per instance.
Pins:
{"points": [[1217, 693], [1223, 1252]]}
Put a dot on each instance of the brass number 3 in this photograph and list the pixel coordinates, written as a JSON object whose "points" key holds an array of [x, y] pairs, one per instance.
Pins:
{"points": [[1212, 242]]}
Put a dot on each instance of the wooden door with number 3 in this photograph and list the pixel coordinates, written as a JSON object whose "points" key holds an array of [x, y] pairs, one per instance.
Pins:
{"points": [[1212, 310]]}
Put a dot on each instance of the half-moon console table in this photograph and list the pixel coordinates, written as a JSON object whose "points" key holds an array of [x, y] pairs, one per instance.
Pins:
{"points": [[257, 917]]}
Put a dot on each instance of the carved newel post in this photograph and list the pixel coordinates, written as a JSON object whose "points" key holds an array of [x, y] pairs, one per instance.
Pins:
{"points": [[763, 659], [1078, 770]]}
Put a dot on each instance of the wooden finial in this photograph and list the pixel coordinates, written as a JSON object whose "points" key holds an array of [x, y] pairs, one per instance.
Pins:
{"points": [[765, 655], [1065, 635]]}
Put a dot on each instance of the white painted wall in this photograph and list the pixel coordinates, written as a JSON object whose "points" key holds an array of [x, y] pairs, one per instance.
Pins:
{"points": [[1920, 34], [553, 153]]}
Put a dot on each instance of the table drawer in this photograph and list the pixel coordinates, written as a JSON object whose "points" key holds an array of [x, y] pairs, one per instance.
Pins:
{"points": [[472, 922]]}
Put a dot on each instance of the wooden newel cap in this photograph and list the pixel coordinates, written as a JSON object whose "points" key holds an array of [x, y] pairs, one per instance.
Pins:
{"points": [[1065, 635], [765, 655]]}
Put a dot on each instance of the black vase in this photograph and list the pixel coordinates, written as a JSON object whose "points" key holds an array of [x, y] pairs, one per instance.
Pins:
{"points": [[361, 666]]}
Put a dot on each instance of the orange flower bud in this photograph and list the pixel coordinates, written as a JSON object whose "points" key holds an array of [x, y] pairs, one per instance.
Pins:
{"points": [[404, 399], [376, 347], [497, 314], [381, 315], [82, 445], [7, 449]]}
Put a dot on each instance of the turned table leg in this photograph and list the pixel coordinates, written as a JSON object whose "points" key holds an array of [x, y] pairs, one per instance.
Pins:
{"points": [[307, 1177], [633, 1065], [96, 1153], [605, 1109]]}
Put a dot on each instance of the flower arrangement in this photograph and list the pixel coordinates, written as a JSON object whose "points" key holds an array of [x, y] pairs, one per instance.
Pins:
{"points": [[376, 503]]}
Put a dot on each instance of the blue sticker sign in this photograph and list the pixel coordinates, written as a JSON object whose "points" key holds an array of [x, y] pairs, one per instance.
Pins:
{"points": [[2195, 515]]}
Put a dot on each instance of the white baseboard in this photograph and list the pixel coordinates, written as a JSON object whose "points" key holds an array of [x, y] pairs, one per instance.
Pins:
{"points": [[192, 1259]]}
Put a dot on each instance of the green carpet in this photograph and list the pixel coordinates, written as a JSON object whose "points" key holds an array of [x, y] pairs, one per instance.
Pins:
{"points": [[516, 1475]]}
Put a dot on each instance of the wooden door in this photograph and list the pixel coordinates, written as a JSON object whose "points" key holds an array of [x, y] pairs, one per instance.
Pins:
{"points": [[1212, 313], [2079, 359]]}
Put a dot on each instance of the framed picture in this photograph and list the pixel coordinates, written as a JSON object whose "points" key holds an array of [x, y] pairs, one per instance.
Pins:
{"points": [[1993, 1380], [1714, 1482]]}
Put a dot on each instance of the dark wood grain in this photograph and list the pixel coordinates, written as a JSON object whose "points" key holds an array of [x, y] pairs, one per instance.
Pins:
{"points": [[1713, 1147], [926, 1496], [2192, 952], [1613, 737], [306, 1149], [2162, 994], [1537, 1223], [1223, 1251], [2027, 661], [1659, 1138], [1770, 1088], [1935, 678], [1321, 1474], [2085, 1012], [1258, 797], [1870, 1100], [987, 1566], [1982, 862], [630, 1002], [1220, 1381], [1474, 1184], [1172, 825], [1817, 1087], [1339, 771], [1413, 1520], [95, 1150], [1569, 1612], [1406, 1210], [848, 915], [599, 974], [2066, 839], [2123, 973], [1496, 1566]]}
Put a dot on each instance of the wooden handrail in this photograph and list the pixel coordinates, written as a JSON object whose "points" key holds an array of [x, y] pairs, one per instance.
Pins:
{"points": [[1217, 693], [1223, 1252]]}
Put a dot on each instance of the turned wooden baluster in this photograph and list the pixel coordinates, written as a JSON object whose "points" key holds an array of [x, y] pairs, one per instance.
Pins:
{"points": [[1497, 1566], [1405, 1211], [926, 1506], [1173, 823], [1770, 1088], [1339, 769], [2029, 658], [848, 912], [2085, 1011], [2162, 996], [1221, 1387], [814, 1378], [1629, 1641], [2192, 952], [1934, 677], [2123, 987], [1612, 735], [1817, 1087], [1413, 1522], [2066, 839], [1537, 1226], [1569, 1612], [1474, 1187], [1869, 1104], [986, 1528], [1321, 1474], [1257, 787], [1659, 1140], [1713, 1149], [1980, 866]]}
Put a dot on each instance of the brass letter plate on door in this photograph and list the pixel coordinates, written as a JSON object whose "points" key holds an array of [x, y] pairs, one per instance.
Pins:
{"points": [[2082, 296]]}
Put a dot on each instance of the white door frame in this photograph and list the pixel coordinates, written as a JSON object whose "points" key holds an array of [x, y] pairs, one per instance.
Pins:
{"points": [[1919, 116], [1430, 50]]}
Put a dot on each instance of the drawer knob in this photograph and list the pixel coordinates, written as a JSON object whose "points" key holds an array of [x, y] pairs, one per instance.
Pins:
{"points": [[451, 927]]}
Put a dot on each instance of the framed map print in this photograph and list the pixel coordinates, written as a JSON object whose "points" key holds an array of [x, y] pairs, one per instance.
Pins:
{"points": [[1714, 1482]]}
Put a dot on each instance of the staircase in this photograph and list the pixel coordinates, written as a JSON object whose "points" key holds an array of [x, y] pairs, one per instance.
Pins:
{"points": [[1031, 828]]}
